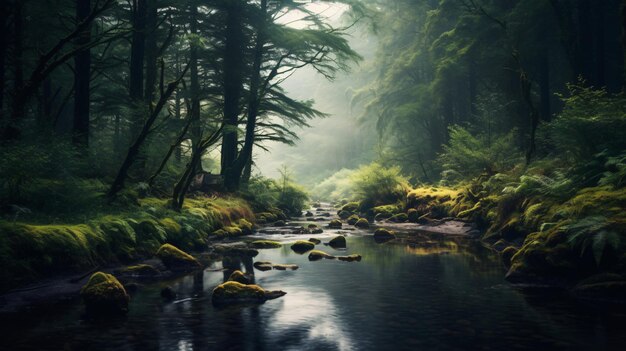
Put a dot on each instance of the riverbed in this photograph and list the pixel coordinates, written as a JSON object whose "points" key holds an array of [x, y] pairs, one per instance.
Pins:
{"points": [[447, 295]]}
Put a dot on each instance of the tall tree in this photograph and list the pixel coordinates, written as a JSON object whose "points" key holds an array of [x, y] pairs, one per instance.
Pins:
{"points": [[82, 77]]}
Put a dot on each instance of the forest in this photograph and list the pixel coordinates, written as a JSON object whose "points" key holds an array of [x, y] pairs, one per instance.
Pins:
{"points": [[168, 167]]}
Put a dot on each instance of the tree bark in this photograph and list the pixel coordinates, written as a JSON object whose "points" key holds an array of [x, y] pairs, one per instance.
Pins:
{"points": [[82, 77], [137, 52], [151, 49], [624, 41], [232, 85], [194, 92]]}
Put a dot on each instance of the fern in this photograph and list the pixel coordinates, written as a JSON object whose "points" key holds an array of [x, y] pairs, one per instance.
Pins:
{"points": [[593, 234]]}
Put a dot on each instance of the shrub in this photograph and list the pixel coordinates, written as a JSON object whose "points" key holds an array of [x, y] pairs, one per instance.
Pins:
{"points": [[375, 185]]}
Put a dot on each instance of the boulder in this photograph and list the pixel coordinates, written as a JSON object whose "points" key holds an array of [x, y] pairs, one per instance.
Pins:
{"points": [[338, 242], [234, 292], [353, 219], [177, 260], [284, 267], [239, 277], [344, 214], [384, 234], [350, 258], [399, 218], [413, 215], [263, 266], [140, 271], [104, 295], [362, 223], [309, 214], [335, 224], [317, 255], [315, 241], [266, 244], [280, 223], [302, 246]]}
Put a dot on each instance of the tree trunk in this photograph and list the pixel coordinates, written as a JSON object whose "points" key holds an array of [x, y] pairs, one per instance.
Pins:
{"points": [[232, 84], [137, 52], [151, 50], [254, 101], [82, 77], [4, 21], [544, 85], [624, 41], [194, 92]]}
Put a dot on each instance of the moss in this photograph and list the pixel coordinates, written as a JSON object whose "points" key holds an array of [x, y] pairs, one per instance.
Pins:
{"points": [[284, 267], [344, 214], [413, 215], [266, 244], [238, 276], [353, 219], [176, 259], [245, 226], [302, 246], [316, 255], [171, 226], [385, 211], [351, 207], [263, 266], [507, 254], [338, 242], [266, 217], [362, 223], [384, 233], [350, 258], [234, 292], [335, 224], [399, 218], [104, 295], [228, 232]]}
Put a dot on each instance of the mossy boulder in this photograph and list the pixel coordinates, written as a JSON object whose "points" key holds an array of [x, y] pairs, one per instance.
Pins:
{"points": [[344, 214], [353, 219], [337, 242], [413, 215], [309, 214], [382, 233], [399, 218], [302, 246], [284, 267], [315, 241], [266, 244], [234, 292], [317, 255], [177, 260], [240, 277], [280, 223], [263, 266], [350, 258], [104, 295], [335, 224], [362, 223], [507, 255], [314, 229], [246, 227], [351, 207], [385, 211]]}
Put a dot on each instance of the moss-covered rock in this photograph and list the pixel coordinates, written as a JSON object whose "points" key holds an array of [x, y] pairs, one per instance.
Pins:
{"points": [[413, 215], [233, 292], [315, 241], [246, 227], [353, 219], [104, 295], [280, 223], [351, 207], [284, 267], [316, 255], [385, 211], [362, 223], [309, 214], [240, 277], [399, 218], [235, 250], [344, 214], [263, 265], [350, 258], [266, 244], [177, 260], [338, 242], [302, 246], [335, 224], [382, 233]]}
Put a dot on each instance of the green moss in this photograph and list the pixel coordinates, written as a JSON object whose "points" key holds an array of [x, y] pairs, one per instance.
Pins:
{"points": [[344, 214], [234, 292], [302, 246], [384, 234], [350, 258], [399, 218], [362, 223], [266, 244], [175, 259], [239, 277], [103, 294], [385, 211], [317, 255], [353, 219], [315, 241], [413, 215], [144, 270], [335, 224], [246, 226], [351, 207]]}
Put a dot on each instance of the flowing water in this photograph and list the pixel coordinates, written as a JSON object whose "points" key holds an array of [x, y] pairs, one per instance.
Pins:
{"points": [[446, 296]]}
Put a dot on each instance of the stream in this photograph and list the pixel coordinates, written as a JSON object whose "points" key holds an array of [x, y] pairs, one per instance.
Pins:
{"points": [[449, 295]]}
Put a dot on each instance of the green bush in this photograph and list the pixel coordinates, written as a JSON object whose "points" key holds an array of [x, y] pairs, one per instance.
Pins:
{"points": [[375, 185]]}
